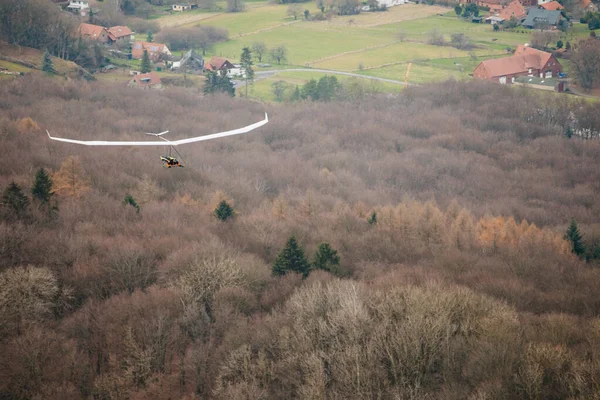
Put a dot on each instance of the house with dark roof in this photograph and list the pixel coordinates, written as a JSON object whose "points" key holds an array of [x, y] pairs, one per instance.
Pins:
{"points": [[539, 18], [146, 81], [526, 61], [94, 32], [156, 51], [119, 34]]}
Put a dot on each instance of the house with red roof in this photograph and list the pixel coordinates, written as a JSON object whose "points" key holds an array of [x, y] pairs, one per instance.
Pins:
{"points": [[146, 81], [119, 34], [526, 61], [514, 9], [219, 64], [94, 32], [551, 6], [587, 5], [156, 51]]}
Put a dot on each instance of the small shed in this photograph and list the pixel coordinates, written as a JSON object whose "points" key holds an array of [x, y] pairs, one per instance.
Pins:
{"points": [[535, 82]]}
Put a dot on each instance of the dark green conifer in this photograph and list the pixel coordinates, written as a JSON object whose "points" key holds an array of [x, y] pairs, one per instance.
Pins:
{"points": [[15, 200], [223, 211], [291, 259], [47, 64], [574, 236], [42, 187], [373, 218], [326, 259], [129, 200], [146, 64]]}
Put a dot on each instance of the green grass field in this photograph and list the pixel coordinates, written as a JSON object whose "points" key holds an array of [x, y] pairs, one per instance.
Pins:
{"points": [[252, 20]]}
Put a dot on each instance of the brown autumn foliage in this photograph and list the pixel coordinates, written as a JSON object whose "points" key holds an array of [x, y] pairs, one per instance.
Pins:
{"points": [[463, 288]]}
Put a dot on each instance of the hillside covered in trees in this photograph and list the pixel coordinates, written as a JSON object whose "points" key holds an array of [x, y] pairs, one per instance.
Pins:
{"points": [[408, 247]]}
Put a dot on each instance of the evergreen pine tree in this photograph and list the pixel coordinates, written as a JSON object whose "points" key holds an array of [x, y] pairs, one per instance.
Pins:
{"points": [[129, 200], [146, 64], [223, 211], [246, 65], [14, 199], [326, 259], [373, 218], [594, 253], [149, 36], [295, 94], [226, 86], [210, 83], [215, 82], [574, 236], [310, 91], [292, 259], [42, 187], [47, 65]]}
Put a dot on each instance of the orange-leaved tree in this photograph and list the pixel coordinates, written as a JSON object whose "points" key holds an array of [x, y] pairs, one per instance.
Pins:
{"points": [[71, 180]]}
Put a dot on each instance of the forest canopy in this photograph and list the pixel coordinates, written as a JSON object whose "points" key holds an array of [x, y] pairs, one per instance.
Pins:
{"points": [[432, 232]]}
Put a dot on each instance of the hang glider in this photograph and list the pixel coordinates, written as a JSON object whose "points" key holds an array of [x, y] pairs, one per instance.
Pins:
{"points": [[165, 142]]}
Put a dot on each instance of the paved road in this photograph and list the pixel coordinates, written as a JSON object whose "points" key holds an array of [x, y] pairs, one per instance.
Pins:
{"points": [[265, 74]]}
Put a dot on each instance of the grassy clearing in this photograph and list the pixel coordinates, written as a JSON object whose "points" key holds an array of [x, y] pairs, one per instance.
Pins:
{"points": [[185, 19], [394, 14], [419, 73], [480, 34], [14, 67], [253, 20], [305, 43], [396, 53]]}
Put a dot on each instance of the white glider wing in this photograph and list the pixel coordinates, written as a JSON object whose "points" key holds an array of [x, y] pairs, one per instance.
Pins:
{"points": [[165, 142]]}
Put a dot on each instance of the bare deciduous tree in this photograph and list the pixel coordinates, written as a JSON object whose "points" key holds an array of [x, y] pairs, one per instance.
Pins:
{"points": [[586, 62]]}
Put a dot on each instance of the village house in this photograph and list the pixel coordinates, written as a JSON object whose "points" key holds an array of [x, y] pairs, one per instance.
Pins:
{"points": [[587, 5], [495, 6], [184, 7], [551, 6], [78, 6], [180, 7], [146, 81], [94, 32], [526, 61], [538, 18], [515, 10], [219, 64], [119, 34], [156, 51]]}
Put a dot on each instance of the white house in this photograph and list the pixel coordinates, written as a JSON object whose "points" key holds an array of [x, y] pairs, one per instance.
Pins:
{"points": [[78, 5], [236, 72]]}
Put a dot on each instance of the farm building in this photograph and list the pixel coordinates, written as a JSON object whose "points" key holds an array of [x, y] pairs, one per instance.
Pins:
{"points": [[119, 34], [538, 18], [541, 83], [155, 50], [146, 81], [551, 6], [525, 62], [219, 64], [94, 32]]}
